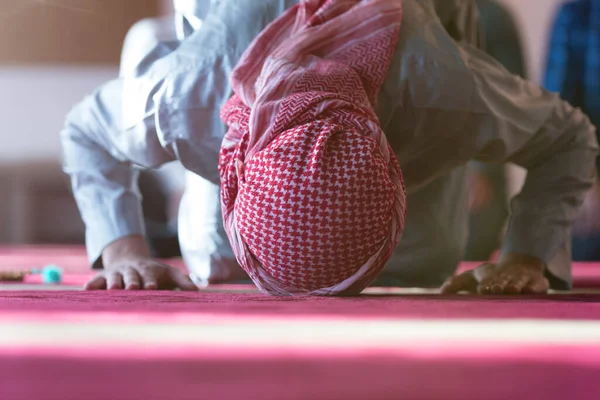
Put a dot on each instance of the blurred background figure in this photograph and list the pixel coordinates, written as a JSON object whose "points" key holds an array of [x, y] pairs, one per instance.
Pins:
{"points": [[573, 70], [488, 200]]}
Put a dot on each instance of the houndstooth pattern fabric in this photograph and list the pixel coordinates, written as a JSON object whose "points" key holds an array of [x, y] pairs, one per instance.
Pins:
{"points": [[313, 196]]}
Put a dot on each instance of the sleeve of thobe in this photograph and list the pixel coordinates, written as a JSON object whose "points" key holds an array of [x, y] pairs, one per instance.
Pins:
{"points": [[98, 154], [458, 104]]}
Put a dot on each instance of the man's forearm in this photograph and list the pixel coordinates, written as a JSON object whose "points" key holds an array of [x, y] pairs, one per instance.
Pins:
{"points": [[560, 171], [104, 183]]}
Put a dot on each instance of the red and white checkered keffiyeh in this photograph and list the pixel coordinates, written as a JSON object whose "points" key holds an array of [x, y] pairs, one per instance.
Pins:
{"points": [[313, 196]]}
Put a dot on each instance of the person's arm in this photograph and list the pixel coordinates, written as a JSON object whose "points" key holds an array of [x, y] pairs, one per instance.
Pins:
{"points": [[102, 154], [521, 123], [559, 159], [167, 108], [459, 104], [98, 154], [94, 139]]}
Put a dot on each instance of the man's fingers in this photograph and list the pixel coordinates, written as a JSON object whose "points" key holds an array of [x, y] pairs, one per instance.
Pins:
{"points": [[485, 275], [144, 274], [149, 279], [486, 285], [537, 285], [132, 279], [183, 281], [96, 283], [517, 285], [464, 282], [499, 284], [114, 281]]}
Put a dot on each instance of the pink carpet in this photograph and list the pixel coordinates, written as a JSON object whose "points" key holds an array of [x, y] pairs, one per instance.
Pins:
{"points": [[558, 375], [73, 260], [234, 305], [411, 370], [205, 345]]}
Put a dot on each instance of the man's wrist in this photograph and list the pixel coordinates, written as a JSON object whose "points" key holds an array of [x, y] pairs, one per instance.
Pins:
{"points": [[128, 247]]}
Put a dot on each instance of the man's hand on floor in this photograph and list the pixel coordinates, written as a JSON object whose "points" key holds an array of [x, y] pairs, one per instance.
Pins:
{"points": [[138, 274], [128, 265], [512, 274]]}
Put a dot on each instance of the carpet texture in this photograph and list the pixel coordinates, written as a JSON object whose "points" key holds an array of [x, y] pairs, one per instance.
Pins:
{"points": [[230, 342]]}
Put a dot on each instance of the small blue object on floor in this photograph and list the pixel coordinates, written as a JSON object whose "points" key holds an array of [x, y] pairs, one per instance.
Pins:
{"points": [[51, 274]]}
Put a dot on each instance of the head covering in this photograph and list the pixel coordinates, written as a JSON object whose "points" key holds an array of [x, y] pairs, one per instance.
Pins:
{"points": [[312, 194]]}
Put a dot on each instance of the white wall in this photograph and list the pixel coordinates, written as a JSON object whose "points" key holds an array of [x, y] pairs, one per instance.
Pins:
{"points": [[33, 106]]}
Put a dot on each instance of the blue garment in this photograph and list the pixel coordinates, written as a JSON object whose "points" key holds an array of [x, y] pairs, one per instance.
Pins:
{"points": [[573, 67], [573, 70]]}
